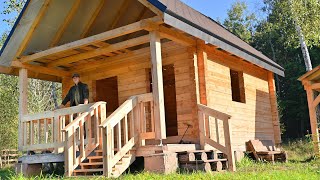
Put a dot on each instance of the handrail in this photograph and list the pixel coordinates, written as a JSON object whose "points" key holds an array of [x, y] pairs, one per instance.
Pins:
{"points": [[129, 117], [76, 133], [78, 119], [206, 136]]}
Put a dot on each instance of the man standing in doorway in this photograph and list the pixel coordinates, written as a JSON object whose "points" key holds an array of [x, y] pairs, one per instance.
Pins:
{"points": [[78, 94]]}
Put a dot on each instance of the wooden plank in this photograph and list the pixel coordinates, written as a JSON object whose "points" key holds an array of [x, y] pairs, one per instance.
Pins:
{"points": [[315, 86], [84, 42], [274, 109], [42, 158], [126, 132], [41, 69], [213, 113], [42, 147], [316, 102], [100, 51], [157, 85], [119, 136], [65, 24], [92, 19], [202, 72], [151, 7], [228, 144], [23, 104], [22, 34], [124, 7], [313, 118]]}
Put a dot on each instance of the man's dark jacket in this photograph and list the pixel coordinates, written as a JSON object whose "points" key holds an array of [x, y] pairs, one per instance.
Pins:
{"points": [[83, 92]]}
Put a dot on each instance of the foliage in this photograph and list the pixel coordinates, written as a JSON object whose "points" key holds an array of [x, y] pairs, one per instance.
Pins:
{"points": [[12, 7], [304, 13], [240, 22]]}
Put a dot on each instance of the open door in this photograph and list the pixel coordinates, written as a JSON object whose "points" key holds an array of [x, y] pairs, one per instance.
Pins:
{"points": [[170, 103], [107, 90]]}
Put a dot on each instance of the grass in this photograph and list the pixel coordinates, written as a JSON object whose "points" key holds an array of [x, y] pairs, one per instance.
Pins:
{"points": [[302, 165]]}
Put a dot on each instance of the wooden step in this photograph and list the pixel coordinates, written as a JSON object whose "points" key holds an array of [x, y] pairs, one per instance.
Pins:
{"points": [[95, 157], [91, 164], [88, 170]]}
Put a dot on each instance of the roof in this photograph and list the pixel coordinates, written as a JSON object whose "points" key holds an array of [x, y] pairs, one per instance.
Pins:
{"points": [[313, 75], [176, 14]]}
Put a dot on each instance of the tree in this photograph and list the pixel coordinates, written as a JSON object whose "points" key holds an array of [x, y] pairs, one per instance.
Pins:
{"points": [[240, 22], [304, 16]]}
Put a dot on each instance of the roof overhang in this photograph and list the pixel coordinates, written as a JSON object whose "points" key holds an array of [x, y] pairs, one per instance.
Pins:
{"points": [[185, 25]]}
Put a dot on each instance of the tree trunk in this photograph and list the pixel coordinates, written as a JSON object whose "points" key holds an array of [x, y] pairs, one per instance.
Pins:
{"points": [[304, 48]]}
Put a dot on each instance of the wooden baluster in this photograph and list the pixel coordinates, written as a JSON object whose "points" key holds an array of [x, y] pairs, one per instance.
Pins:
{"points": [[31, 133], [217, 130], [63, 125], [202, 131], [207, 126], [107, 150], [143, 120], [39, 131], [56, 132], [228, 145], [137, 121], [88, 129], [81, 129], [152, 116], [112, 142], [119, 136], [25, 134], [70, 118], [74, 146], [131, 124], [45, 129], [96, 125], [103, 116], [68, 153], [126, 138], [52, 130]]}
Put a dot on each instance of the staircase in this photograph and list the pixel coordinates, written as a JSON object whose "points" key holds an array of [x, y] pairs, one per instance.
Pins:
{"points": [[114, 137]]}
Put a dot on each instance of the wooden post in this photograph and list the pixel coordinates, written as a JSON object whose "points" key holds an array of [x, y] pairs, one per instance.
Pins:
{"points": [[228, 144], [202, 129], [107, 150], [202, 65], [313, 116], [274, 109], [68, 153], [157, 85], [23, 104]]}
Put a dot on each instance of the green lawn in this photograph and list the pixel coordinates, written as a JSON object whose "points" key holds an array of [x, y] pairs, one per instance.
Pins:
{"points": [[301, 165]]}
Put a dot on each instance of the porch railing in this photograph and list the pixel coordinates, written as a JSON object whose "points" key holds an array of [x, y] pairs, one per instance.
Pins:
{"points": [[210, 133], [131, 119], [81, 139], [42, 131]]}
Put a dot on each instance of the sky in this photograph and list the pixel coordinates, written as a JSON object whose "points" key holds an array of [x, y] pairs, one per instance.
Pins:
{"points": [[216, 9]]}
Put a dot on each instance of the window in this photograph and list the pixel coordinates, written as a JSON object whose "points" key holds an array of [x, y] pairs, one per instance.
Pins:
{"points": [[237, 86]]}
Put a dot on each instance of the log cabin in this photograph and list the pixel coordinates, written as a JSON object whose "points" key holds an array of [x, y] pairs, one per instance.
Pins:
{"points": [[166, 83], [311, 83]]}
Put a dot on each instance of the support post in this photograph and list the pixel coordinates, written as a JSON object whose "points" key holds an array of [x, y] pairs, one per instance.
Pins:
{"points": [[228, 145], [23, 103], [202, 65], [274, 109], [313, 116], [157, 86]]}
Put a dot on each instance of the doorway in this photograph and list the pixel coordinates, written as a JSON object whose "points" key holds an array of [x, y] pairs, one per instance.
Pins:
{"points": [[107, 90], [170, 103]]}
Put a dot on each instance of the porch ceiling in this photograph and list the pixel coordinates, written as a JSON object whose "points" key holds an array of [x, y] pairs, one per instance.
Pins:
{"points": [[116, 44]]}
